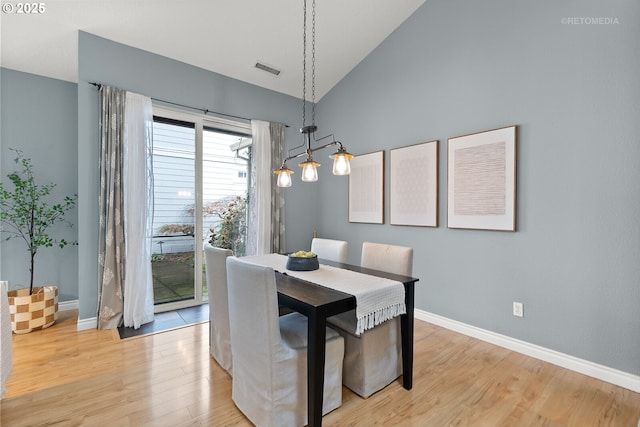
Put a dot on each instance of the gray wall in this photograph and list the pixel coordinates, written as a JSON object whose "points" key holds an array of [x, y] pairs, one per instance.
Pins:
{"points": [[460, 66], [453, 68], [38, 117], [104, 61]]}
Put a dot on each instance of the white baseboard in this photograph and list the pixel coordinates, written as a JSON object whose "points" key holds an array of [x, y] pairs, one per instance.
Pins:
{"points": [[601, 372], [85, 324], [68, 305]]}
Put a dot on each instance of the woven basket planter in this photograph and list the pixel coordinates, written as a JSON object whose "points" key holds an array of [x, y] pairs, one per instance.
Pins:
{"points": [[33, 312]]}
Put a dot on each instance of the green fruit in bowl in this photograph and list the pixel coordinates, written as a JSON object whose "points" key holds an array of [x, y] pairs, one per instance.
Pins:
{"points": [[303, 254]]}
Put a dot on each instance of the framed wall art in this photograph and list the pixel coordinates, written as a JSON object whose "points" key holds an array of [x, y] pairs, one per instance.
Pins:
{"points": [[366, 188], [414, 185], [481, 180]]}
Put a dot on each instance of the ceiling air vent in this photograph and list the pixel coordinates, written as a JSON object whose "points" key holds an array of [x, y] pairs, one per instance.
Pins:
{"points": [[268, 69]]}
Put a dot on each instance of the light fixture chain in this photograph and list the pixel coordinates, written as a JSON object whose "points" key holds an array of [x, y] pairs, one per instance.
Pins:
{"points": [[304, 65], [313, 63], [309, 166]]}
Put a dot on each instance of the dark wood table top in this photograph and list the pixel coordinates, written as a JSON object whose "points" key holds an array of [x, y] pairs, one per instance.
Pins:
{"points": [[319, 302], [301, 295]]}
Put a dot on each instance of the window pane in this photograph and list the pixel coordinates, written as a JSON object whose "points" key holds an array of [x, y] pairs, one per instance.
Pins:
{"points": [[173, 220], [224, 189]]}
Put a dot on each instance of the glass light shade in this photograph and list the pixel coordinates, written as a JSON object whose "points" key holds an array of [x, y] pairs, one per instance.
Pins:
{"points": [[284, 179], [341, 164], [284, 176], [309, 171]]}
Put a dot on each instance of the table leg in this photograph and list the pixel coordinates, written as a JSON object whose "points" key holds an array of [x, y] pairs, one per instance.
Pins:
{"points": [[315, 368], [406, 330]]}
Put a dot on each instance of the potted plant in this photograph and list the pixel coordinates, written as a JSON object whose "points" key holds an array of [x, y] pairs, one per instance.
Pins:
{"points": [[26, 214]]}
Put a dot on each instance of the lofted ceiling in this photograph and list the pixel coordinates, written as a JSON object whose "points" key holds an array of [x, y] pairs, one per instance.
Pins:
{"points": [[224, 36]]}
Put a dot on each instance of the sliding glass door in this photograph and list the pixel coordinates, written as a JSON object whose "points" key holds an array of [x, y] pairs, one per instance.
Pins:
{"points": [[224, 189], [200, 170]]}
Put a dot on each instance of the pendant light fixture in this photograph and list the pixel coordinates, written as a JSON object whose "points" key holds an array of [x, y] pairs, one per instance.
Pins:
{"points": [[341, 157]]}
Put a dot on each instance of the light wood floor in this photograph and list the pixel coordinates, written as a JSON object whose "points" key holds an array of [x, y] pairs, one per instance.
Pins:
{"points": [[67, 378]]}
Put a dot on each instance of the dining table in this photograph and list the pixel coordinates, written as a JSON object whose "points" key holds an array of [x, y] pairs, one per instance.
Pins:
{"points": [[319, 302]]}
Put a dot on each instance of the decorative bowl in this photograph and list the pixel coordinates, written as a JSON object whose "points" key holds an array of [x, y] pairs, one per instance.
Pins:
{"points": [[302, 264]]}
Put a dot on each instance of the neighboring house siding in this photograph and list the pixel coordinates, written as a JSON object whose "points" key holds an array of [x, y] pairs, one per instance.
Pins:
{"points": [[224, 175]]}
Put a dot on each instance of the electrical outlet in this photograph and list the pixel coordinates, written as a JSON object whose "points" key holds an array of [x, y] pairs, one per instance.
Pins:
{"points": [[518, 309]]}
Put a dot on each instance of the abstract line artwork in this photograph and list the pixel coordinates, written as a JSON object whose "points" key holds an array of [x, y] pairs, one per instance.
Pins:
{"points": [[414, 185], [481, 180]]}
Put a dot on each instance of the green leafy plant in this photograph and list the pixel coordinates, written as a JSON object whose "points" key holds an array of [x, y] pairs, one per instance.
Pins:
{"points": [[183, 229], [155, 257], [231, 231], [25, 213]]}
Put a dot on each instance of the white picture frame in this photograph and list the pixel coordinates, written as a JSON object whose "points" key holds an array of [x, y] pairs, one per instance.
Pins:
{"points": [[366, 188], [481, 180], [413, 185]]}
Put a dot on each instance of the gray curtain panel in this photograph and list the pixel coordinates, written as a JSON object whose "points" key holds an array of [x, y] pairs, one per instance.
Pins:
{"points": [[277, 202], [111, 233], [266, 202]]}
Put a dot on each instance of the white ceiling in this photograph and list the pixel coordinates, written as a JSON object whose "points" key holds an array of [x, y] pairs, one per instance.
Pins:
{"points": [[224, 36]]}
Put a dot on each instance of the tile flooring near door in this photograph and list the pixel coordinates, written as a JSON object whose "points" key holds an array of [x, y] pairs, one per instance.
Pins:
{"points": [[169, 320]]}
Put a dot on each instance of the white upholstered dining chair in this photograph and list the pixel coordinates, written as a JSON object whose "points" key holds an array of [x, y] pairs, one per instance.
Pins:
{"points": [[373, 359], [270, 352], [216, 275], [332, 250]]}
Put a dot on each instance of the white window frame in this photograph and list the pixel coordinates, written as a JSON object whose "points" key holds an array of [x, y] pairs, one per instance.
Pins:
{"points": [[200, 122]]}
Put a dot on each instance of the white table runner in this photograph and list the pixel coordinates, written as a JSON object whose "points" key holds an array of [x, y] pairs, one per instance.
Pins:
{"points": [[377, 299]]}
